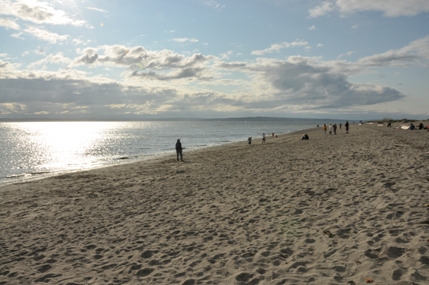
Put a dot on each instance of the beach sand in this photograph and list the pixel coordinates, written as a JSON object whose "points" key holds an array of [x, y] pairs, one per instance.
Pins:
{"points": [[336, 209]]}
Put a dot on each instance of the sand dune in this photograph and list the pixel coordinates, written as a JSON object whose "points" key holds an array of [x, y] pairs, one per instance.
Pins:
{"points": [[336, 209]]}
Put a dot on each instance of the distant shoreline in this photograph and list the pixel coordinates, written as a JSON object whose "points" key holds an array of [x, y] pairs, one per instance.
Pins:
{"points": [[5, 120]]}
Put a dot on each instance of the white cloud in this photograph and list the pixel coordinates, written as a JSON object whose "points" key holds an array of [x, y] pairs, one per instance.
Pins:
{"points": [[278, 47], [391, 8], [9, 24], [313, 27], [415, 53], [321, 9], [346, 54], [319, 45], [97, 9], [184, 40], [37, 12], [297, 83], [17, 36], [58, 58], [214, 4], [137, 58], [81, 42], [226, 55], [45, 35]]}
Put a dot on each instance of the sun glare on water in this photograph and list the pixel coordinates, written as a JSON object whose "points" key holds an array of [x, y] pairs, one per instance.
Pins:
{"points": [[64, 144]]}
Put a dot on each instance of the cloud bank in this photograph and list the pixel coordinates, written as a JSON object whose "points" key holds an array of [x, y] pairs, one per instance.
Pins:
{"points": [[391, 8]]}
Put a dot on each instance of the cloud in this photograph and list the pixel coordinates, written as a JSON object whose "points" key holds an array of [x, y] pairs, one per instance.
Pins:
{"points": [[152, 65], [302, 82], [9, 24], [214, 4], [89, 57], [80, 42], [17, 36], [309, 84], [415, 53], [97, 9], [346, 54], [37, 12], [391, 8], [321, 9], [278, 47], [177, 74], [68, 94], [313, 27], [45, 35], [184, 40], [58, 58], [296, 84], [137, 58], [4, 64]]}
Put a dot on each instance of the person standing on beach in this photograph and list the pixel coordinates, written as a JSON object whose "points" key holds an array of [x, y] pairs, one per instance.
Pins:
{"points": [[330, 129], [340, 126], [335, 128], [179, 150], [324, 129], [347, 127], [263, 138]]}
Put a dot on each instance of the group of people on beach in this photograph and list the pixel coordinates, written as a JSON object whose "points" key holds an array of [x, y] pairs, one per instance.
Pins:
{"points": [[264, 138], [333, 127], [413, 127]]}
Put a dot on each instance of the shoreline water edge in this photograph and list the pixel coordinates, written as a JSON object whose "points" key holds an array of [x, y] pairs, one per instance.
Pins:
{"points": [[34, 150], [335, 209]]}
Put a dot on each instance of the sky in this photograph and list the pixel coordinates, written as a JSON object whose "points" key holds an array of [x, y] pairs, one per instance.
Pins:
{"points": [[129, 59]]}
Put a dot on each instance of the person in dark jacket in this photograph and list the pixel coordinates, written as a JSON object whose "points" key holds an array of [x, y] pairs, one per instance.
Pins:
{"points": [[179, 150]]}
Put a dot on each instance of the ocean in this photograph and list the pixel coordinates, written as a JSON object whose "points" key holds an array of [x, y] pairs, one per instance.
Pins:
{"points": [[32, 150]]}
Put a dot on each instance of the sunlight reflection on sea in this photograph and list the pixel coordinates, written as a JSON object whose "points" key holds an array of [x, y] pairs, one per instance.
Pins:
{"points": [[34, 149]]}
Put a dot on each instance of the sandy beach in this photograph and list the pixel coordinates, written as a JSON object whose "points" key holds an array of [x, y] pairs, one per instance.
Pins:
{"points": [[336, 209]]}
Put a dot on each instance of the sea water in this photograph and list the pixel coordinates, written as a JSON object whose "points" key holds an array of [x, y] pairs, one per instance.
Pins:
{"points": [[31, 150]]}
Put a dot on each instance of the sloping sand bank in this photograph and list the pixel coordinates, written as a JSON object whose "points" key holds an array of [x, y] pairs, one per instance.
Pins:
{"points": [[336, 209]]}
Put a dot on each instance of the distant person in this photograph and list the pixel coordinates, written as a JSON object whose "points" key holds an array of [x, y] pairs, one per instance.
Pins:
{"points": [[334, 127], [179, 150], [330, 129], [347, 127], [324, 129], [249, 140], [412, 127], [305, 137], [263, 138], [421, 126], [389, 125], [340, 126]]}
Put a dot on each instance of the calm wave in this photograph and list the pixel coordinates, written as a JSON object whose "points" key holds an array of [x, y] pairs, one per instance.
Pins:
{"points": [[39, 149]]}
